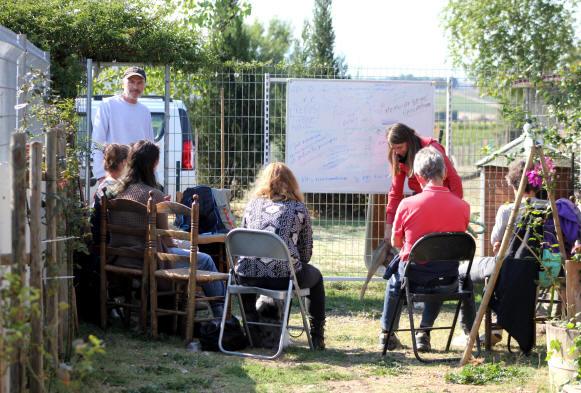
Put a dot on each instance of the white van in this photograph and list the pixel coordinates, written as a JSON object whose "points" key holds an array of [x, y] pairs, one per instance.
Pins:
{"points": [[181, 163]]}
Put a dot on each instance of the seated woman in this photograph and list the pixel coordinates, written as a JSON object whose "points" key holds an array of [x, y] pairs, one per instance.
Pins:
{"points": [[135, 185], [114, 164], [483, 267], [278, 207]]}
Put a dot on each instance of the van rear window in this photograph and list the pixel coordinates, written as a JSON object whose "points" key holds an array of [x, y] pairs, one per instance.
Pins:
{"points": [[158, 123]]}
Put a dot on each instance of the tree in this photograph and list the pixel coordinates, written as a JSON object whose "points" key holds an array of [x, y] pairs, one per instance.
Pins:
{"points": [[496, 41], [318, 43], [271, 45], [104, 30], [323, 35]]}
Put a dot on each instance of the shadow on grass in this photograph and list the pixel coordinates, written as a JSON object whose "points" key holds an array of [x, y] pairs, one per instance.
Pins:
{"points": [[134, 363]]}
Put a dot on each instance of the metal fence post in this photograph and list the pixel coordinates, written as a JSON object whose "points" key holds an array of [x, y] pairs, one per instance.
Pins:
{"points": [[166, 132], [89, 130], [266, 158], [449, 117]]}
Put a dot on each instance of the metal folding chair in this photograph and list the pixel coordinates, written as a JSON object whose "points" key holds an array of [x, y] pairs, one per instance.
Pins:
{"points": [[262, 244], [434, 248]]}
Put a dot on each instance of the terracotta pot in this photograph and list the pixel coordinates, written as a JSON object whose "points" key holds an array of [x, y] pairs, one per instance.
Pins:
{"points": [[562, 365]]}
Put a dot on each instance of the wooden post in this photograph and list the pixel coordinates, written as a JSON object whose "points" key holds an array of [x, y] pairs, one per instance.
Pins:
{"points": [[222, 155], [551, 196], [151, 259], [500, 258], [573, 287], [64, 257], [18, 210], [51, 250], [557, 222], [36, 319]]}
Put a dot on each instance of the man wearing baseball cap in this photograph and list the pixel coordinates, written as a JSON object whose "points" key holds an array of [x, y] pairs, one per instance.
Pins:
{"points": [[121, 119]]}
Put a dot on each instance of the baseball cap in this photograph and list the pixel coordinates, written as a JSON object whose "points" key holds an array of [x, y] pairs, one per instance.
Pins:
{"points": [[134, 71]]}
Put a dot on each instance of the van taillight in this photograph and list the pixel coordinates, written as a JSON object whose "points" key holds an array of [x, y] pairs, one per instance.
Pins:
{"points": [[187, 156]]}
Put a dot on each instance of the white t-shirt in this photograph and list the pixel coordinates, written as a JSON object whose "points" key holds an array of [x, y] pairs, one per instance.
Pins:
{"points": [[118, 121]]}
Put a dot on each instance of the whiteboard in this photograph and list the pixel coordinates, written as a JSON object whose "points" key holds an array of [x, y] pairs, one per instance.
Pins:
{"points": [[335, 135]]}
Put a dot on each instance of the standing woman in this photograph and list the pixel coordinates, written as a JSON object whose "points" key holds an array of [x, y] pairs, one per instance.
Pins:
{"points": [[277, 206], [402, 145]]}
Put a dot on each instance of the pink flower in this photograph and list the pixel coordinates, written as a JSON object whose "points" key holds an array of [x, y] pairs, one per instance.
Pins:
{"points": [[535, 175]]}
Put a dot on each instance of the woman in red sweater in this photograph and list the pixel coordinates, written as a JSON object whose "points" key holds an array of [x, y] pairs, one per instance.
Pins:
{"points": [[402, 145]]}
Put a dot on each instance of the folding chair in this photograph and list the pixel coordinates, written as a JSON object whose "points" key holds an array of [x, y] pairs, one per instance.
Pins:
{"points": [[188, 279], [125, 222], [435, 248], [262, 244]]}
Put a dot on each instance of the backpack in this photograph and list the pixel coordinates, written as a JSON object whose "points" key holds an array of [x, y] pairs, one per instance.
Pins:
{"points": [[234, 338], [209, 220]]}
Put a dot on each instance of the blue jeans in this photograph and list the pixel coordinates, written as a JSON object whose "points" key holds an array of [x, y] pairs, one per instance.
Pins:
{"points": [[431, 309], [211, 289]]}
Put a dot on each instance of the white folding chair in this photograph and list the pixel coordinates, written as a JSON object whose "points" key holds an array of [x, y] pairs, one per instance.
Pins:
{"points": [[262, 244]]}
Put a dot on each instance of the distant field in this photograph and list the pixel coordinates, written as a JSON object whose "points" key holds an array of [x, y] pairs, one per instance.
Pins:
{"points": [[466, 100]]}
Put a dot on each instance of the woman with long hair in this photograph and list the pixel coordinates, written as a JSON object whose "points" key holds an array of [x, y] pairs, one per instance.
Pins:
{"points": [[403, 143], [136, 185], [278, 206]]}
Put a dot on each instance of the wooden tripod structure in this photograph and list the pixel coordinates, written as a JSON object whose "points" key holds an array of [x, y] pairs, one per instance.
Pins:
{"points": [[504, 245]]}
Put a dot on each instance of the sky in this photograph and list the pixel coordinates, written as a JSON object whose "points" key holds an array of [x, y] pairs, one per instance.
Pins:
{"points": [[374, 34], [404, 36]]}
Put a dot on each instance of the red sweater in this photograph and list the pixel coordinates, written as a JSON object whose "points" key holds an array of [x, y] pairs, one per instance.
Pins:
{"points": [[452, 181]]}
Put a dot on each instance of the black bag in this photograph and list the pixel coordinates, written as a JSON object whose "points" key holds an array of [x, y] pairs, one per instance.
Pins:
{"points": [[209, 220], [234, 338]]}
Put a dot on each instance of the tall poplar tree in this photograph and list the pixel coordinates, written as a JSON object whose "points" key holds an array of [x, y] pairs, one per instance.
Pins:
{"points": [[318, 42]]}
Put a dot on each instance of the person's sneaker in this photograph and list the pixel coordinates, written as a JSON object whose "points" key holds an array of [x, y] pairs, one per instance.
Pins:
{"points": [[423, 342], [461, 340], [495, 337], [392, 343]]}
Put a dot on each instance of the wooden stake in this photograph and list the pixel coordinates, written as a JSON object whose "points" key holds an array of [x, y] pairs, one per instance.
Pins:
{"points": [[551, 196], [557, 222], [36, 319], [52, 312], [501, 253], [18, 209]]}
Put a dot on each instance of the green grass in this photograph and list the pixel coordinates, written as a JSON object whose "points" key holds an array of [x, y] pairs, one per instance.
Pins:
{"points": [[338, 246], [352, 361], [487, 373]]}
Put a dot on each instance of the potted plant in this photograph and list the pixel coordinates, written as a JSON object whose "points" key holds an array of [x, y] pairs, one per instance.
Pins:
{"points": [[563, 354]]}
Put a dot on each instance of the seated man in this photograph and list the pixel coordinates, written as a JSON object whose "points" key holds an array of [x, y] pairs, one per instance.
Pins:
{"points": [[435, 209]]}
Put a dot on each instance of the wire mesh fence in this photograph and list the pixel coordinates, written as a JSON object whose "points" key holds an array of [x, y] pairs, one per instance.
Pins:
{"points": [[230, 116]]}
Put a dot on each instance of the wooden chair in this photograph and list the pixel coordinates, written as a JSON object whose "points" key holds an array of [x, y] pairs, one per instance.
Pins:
{"points": [[117, 224], [185, 281]]}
